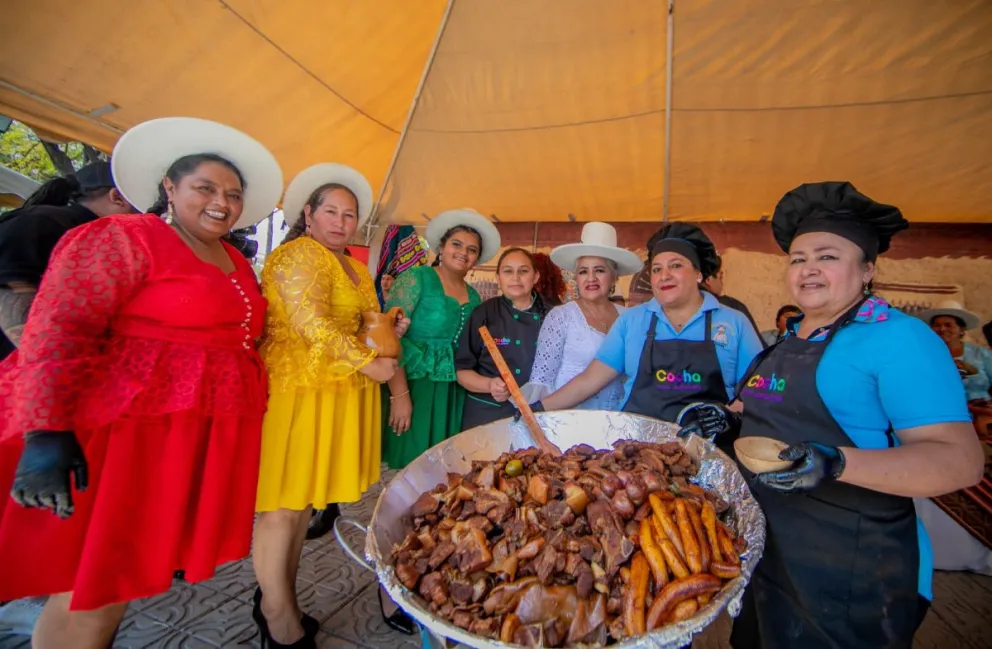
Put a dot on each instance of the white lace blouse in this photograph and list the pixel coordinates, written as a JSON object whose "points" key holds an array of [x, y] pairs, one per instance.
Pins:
{"points": [[565, 347]]}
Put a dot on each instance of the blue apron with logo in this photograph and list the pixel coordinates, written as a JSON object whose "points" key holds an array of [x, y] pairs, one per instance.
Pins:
{"points": [[674, 373]]}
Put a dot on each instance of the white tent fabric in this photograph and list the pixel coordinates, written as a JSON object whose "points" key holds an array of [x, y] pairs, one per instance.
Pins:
{"points": [[15, 187], [535, 111]]}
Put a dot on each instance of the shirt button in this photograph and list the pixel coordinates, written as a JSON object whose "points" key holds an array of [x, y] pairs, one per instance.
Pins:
{"points": [[518, 342], [536, 317], [516, 371], [516, 316]]}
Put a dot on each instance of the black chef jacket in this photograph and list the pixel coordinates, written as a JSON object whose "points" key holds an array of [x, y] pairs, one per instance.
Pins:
{"points": [[515, 333], [27, 238]]}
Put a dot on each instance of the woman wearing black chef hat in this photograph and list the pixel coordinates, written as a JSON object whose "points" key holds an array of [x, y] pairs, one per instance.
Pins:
{"points": [[682, 352], [869, 402]]}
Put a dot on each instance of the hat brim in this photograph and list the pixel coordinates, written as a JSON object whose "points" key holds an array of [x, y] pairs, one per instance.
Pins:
{"points": [[566, 256], [311, 178], [440, 224], [971, 320], [145, 153]]}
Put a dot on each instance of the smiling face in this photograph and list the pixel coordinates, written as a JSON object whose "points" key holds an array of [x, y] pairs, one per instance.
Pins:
{"points": [[517, 276], [334, 219], [827, 272], [460, 251], [674, 280], [948, 328], [206, 202], [594, 277]]}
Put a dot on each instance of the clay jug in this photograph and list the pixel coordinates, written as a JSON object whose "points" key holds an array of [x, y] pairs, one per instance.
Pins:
{"points": [[377, 332]]}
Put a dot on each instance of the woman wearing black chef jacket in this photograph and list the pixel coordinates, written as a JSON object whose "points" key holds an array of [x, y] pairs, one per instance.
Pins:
{"points": [[869, 402], [514, 320]]}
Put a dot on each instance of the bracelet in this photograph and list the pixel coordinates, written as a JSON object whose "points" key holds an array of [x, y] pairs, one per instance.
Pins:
{"points": [[397, 396]]}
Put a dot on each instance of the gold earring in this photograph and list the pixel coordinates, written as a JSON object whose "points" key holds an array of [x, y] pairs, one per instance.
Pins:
{"points": [[866, 290], [169, 215], [307, 231]]}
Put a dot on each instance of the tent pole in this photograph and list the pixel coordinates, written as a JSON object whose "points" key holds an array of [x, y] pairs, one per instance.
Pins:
{"points": [[670, 47], [373, 219]]}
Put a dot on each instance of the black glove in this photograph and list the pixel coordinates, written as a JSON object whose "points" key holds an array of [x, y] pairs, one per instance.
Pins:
{"points": [[537, 406], [815, 463], [42, 478], [707, 420]]}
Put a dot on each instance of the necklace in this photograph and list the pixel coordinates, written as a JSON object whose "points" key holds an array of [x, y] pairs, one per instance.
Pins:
{"points": [[599, 323]]}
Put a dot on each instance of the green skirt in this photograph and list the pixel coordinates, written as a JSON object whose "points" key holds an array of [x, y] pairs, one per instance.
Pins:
{"points": [[437, 415]]}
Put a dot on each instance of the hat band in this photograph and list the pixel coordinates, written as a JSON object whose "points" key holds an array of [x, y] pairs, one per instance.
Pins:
{"points": [[680, 246], [857, 232]]}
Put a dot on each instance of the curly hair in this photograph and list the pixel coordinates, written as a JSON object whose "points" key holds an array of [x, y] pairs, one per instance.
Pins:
{"points": [[551, 287]]}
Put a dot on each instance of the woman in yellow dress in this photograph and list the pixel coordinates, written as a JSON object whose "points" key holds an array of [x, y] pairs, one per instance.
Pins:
{"points": [[321, 433]]}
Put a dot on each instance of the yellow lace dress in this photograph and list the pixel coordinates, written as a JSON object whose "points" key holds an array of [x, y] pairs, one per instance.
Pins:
{"points": [[321, 433]]}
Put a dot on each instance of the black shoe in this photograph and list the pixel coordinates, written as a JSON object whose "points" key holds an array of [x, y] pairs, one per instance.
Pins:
{"points": [[322, 521], [180, 575], [309, 623], [398, 621]]}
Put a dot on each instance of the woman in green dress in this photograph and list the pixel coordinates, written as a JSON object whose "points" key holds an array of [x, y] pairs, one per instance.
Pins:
{"points": [[425, 402]]}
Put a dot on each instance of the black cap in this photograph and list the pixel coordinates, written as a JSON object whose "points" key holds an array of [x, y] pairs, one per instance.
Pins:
{"points": [[689, 241], [838, 208], [96, 175]]}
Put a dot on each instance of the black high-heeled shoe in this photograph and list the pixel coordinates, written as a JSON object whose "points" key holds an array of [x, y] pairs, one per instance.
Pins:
{"points": [[399, 620], [322, 521], [309, 623]]}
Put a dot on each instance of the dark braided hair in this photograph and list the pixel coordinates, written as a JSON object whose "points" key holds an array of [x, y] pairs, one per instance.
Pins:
{"points": [[450, 233], [315, 200], [61, 191], [183, 167]]}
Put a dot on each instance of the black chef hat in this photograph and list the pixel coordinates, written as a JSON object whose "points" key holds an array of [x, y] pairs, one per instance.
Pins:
{"points": [[838, 208], [689, 241]]}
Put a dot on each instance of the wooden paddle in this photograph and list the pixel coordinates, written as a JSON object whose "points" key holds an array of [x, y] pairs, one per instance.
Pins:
{"points": [[511, 384]]}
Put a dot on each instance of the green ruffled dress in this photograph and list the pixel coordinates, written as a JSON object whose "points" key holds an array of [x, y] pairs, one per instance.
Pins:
{"points": [[436, 323]]}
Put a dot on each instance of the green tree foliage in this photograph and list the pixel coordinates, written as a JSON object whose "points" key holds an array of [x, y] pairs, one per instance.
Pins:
{"points": [[22, 151]]}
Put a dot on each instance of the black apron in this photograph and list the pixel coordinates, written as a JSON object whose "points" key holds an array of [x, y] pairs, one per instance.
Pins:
{"points": [[841, 563], [515, 333], [674, 373]]}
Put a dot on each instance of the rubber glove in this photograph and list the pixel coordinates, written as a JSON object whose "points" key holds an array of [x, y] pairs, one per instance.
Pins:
{"points": [[43, 474], [813, 465], [707, 420]]}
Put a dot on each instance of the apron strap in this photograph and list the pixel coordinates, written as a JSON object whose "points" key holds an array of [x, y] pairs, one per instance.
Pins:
{"points": [[709, 326]]}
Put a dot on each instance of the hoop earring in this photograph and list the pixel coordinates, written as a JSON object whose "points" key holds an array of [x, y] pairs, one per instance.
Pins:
{"points": [[169, 215]]}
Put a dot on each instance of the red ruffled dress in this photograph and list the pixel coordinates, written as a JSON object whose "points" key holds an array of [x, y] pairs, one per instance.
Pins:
{"points": [[148, 354]]}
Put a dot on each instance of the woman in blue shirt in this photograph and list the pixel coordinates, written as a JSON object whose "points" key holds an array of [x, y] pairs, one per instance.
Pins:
{"points": [[974, 363], [869, 402], [680, 350]]}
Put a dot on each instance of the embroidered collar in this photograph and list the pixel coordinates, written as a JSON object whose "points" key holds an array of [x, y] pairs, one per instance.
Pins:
{"points": [[874, 309]]}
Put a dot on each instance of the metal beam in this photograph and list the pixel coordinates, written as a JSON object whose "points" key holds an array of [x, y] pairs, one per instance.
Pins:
{"points": [[374, 217]]}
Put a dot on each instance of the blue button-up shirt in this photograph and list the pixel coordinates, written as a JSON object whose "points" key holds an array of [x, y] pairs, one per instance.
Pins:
{"points": [[735, 339]]}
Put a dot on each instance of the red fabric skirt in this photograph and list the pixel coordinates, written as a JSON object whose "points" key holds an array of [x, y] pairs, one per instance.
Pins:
{"points": [[166, 493]]}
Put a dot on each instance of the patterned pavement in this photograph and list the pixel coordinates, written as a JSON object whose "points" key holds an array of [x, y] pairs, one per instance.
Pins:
{"points": [[342, 595]]}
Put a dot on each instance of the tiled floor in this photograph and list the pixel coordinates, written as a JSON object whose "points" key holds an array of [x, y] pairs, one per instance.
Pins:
{"points": [[342, 596]]}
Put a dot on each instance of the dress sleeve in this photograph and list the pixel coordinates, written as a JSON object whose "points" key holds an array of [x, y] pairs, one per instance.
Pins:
{"points": [[304, 280], [406, 292], [550, 348], [95, 269]]}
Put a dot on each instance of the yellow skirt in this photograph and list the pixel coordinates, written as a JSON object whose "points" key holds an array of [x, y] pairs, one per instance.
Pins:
{"points": [[319, 447]]}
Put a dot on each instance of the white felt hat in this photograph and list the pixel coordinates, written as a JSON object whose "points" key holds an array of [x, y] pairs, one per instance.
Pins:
{"points": [[145, 153], [440, 224], [953, 309], [322, 174], [598, 240]]}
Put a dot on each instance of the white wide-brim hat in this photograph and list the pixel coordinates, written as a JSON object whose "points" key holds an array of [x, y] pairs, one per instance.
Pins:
{"points": [[953, 309], [145, 153], [598, 240], [323, 174], [440, 224]]}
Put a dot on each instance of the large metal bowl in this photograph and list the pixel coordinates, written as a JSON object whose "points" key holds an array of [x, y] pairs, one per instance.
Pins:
{"points": [[391, 520]]}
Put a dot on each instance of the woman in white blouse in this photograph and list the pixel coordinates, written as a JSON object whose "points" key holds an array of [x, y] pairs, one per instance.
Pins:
{"points": [[572, 333]]}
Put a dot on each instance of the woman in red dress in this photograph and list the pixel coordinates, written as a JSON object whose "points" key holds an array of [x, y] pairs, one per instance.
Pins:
{"points": [[137, 375]]}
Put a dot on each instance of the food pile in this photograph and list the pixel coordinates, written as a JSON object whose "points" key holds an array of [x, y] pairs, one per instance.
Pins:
{"points": [[587, 548]]}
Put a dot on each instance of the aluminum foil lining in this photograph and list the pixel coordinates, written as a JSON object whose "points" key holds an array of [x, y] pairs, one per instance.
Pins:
{"points": [[391, 519]]}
